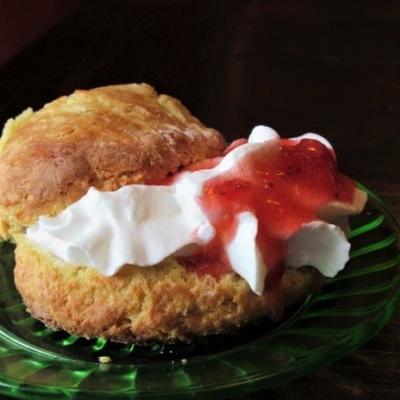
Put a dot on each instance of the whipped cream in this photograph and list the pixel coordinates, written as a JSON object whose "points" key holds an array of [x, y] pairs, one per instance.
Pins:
{"points": [[144, 224], [319, 243]]}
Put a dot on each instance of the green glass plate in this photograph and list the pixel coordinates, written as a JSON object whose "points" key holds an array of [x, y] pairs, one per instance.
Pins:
{"points": [[37, 363]]}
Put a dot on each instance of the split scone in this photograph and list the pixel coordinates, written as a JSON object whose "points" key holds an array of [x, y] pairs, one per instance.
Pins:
{"points": [[100, 192]]}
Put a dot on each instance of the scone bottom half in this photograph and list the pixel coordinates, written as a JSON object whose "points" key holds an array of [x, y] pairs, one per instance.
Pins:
{"points": [[107, 138], [163, 303]]}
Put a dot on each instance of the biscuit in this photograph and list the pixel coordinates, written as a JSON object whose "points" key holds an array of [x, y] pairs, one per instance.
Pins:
{"points": [[106, 137], [164, 303]]}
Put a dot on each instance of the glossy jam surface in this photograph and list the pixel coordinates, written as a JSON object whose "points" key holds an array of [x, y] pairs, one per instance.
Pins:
{"points": [[284, 189]]}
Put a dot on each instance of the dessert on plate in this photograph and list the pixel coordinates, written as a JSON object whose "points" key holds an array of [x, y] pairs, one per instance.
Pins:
{"points": [[135, 222]]}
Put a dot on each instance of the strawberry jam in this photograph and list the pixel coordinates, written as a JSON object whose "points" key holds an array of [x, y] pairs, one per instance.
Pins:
{"points": [[283, 186]]}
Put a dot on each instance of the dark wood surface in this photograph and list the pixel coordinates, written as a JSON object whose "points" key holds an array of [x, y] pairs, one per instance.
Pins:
{"points": [[331, 67]]}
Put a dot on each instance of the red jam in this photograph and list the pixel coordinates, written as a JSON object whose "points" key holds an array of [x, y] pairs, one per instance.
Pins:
{"points": [[283, 189]]}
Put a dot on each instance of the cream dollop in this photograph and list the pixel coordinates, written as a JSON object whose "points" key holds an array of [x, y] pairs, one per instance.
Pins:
{"points": [[144, 224]]}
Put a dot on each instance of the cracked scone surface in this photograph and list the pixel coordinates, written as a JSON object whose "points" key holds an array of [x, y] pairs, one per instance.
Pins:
{"points": [[164, 303], [106, 137]]}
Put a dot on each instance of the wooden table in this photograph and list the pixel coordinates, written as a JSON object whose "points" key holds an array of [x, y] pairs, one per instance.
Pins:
{"points": [[331, 67]]}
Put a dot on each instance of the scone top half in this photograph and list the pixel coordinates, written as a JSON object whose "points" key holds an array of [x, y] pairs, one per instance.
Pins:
{"points": [[106, 137]]}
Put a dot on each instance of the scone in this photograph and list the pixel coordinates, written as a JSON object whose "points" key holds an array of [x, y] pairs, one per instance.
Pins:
{"points": [[162, 303], [108, 138]]}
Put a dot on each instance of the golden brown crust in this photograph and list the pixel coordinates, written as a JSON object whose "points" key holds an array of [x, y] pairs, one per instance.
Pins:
{"points": [[164, 303], [106, 137]]}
